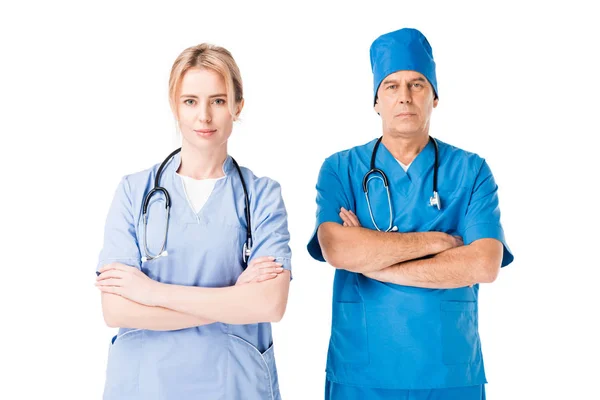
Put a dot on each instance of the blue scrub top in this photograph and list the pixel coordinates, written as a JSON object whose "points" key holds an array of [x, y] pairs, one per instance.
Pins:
{"points": [[398, 337], [216, 361]]}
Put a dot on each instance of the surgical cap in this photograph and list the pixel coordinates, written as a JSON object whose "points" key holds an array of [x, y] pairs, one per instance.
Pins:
{"points": [[402, 50]]}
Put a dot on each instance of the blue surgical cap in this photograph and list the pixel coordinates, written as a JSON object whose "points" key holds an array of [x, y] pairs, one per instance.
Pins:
{"points": [[402, 50]]}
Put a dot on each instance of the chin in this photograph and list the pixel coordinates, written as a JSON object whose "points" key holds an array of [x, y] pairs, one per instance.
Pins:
{"points": [[210, 143], [406, 128]]}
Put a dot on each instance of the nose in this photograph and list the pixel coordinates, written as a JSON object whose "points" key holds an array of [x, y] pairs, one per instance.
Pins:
{"points": [[404, 95], [204, 114]]}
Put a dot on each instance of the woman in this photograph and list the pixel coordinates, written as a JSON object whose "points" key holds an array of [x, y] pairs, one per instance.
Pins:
{"points": [[194, 317]]}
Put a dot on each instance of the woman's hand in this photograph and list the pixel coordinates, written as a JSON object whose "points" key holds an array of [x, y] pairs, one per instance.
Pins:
{"points": [[128, 282], [260, 269]]}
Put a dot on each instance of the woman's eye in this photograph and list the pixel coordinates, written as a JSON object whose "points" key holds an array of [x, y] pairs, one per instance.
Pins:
{"points": [[189, 102], [219, 101]]}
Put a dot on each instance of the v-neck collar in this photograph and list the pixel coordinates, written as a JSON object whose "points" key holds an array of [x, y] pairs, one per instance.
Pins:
{"points": [[401, 181], [180, 206]]}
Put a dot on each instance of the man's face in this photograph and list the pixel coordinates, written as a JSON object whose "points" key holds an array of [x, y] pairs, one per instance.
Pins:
{"points": [[405, 100]]}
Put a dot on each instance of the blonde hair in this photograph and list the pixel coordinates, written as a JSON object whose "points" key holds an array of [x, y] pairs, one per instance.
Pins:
{"points": [[212, 57]]}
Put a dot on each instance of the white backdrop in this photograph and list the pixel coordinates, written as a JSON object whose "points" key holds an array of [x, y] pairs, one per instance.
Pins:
{"points": [[84, 102]]}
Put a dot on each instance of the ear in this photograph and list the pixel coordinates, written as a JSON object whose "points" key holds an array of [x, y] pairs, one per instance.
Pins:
{"points": [[435, 102], [240, 106], [377, 107]]}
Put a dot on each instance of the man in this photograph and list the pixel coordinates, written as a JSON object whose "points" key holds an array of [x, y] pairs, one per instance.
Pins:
{"points": [[408, 256]]}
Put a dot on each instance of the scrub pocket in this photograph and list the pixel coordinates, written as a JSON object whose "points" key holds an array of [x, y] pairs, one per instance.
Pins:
{"points": [[252, 375], [349, 341], [124, 359], [460, 339]]}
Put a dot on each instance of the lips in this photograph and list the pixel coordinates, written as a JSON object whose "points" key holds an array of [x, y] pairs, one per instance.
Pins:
{"points": [[405, 114], [205, 132]]}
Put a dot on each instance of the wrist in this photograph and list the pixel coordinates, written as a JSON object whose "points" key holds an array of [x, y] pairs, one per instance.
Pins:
{"points": [[446, 242], [159, 295], [441, 242]]}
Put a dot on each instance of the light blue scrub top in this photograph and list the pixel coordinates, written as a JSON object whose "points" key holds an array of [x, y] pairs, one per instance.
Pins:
{"points": [[390, 336], [216, 361]]}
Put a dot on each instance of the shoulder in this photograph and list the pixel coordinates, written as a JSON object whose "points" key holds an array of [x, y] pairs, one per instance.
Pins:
{"points": [[264, 194], [455, 156], [259, 185], [342, 159], [136, 184]]}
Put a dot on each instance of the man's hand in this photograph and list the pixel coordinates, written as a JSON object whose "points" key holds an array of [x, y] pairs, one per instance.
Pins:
{"points": [[349, 218]]}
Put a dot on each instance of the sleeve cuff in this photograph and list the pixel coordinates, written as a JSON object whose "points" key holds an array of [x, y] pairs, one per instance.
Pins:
{"points": [[286, 264], [489, 231], [131, 261]]}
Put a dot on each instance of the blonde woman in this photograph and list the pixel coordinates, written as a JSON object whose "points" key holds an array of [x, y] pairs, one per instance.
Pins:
{"points": [[196, 261]]}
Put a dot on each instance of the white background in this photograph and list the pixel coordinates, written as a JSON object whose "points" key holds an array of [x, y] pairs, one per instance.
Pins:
{"points": [[84, 102]]}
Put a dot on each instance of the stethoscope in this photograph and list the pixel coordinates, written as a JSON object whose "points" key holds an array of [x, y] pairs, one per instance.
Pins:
{"points": [[434, 201], [246, 249]]}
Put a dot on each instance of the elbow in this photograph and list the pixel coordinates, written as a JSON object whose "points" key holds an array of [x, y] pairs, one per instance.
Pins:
{"points": [[340, 260], [335, 259], [110, 319], [111, 311], [277, 312], [275, 297], [489, 253], [489, 272], [331, 246], [272, 311]]}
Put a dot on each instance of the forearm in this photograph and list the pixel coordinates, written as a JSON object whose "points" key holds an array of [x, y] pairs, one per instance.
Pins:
{"points": [[124, 313], [242, 304], [454, 268], [361, 250]]}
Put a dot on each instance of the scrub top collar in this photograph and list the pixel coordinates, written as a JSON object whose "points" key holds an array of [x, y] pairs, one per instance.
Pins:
{"points": [[180, 208], [228, 167], [417, 169]]}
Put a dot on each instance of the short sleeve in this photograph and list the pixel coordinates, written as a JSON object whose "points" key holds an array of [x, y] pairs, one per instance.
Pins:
{"points": [[331, 196], [482, 219], [120, 241], [270, 233]]}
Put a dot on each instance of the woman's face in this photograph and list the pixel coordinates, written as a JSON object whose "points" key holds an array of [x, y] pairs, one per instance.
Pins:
{"points": [[204, 117]]}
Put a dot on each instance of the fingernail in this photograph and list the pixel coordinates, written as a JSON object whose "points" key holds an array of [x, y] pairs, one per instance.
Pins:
{"points": [[279, 269]]}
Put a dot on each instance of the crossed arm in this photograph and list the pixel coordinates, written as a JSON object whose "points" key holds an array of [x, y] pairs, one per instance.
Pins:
{"points": [[130, 299], [399, 257]]}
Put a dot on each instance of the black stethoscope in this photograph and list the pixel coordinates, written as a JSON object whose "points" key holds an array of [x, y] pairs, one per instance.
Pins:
{"points": [[246, 249], [434, 201]]}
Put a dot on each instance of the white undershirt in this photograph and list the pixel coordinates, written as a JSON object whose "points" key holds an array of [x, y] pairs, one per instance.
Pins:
{"points": [[404, 167], [198, 191]]}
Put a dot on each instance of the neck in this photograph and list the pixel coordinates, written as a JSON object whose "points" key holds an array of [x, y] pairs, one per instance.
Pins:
{"points": [[198, 164], [405, 148]]}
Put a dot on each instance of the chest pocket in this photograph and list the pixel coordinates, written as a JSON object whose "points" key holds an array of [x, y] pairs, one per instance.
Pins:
{"points": [[204, 252], [449, 218]]}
